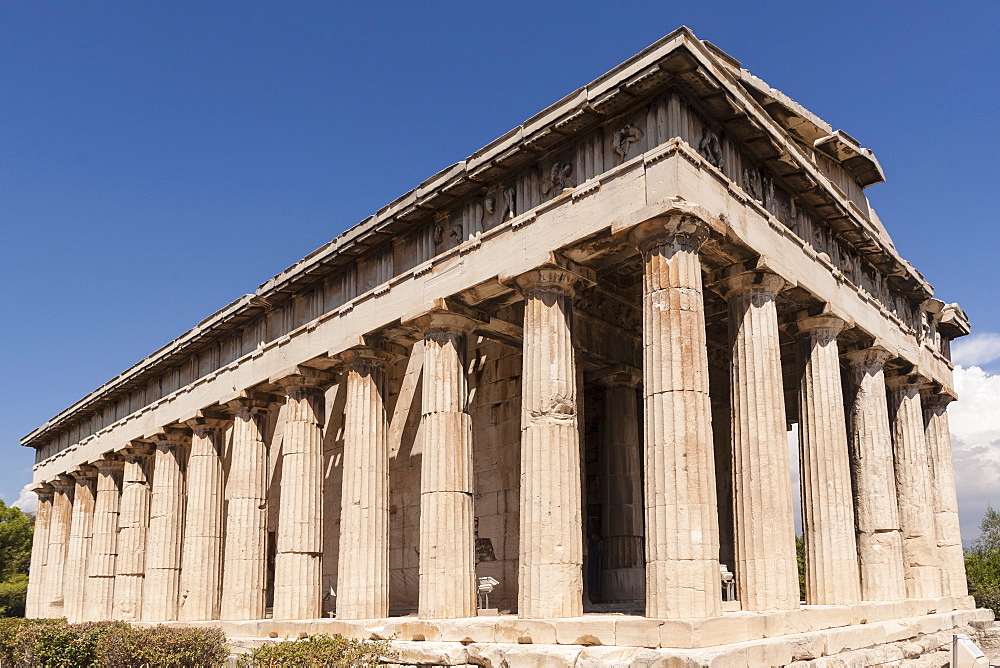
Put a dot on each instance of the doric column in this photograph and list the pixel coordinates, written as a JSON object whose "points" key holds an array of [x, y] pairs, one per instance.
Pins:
{"points": [[80, 536], [55, 563], [363, 569], [682, 518], [913, 488], [951, 558], [766, 570], [623, 566], [550, 566], [298, 567], [101, 566], [831, 550], [161, 591], [39, 549], [876, 514], [244, 570], [447, 518], [201, 549], [133, 524]]}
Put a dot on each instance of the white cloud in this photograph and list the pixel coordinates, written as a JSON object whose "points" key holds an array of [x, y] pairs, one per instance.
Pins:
{"points": [[975, 437], [976, 350], [27, 501]]}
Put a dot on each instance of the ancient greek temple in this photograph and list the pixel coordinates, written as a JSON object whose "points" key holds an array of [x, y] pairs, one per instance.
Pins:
{"points": [[568, 363]]}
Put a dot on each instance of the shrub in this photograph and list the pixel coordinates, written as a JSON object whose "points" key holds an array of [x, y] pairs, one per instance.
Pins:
{"points": [[321, 650], [27, 643]]}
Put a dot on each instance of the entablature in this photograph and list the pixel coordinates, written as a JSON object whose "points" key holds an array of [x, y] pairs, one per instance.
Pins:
{"points": [[677, 90]]}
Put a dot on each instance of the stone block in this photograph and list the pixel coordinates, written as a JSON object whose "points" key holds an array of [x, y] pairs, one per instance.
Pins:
{"points": [[331, 627], [676, 633], [413, 629], [886, 610], [638, 632], [467, 631], [242, 629], [863, 613], [964, 603], [818, 617], [281, 629], [430, 653], [720, 630], [591, 630], [601, 657], [914, 607], [853, 637], [523, 656], [525, 631], [898, 630]]}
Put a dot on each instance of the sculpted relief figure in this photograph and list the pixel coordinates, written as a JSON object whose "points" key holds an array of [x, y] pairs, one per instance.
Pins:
{"points": [[710, 148], [624, 138], [509, 197], [559, 177]]}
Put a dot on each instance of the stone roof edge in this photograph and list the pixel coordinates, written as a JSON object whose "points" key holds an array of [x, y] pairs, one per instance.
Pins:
{"points": [[579, 100]]}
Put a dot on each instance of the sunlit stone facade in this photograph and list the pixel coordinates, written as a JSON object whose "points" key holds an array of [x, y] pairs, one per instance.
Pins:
{"points": [[568, 363]]}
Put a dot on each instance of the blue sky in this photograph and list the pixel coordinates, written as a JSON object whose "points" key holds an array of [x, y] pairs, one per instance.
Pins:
{"points": [[157, 160]]}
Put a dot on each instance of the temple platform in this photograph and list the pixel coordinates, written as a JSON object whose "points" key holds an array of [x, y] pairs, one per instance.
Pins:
{"points": [[861, 634]]}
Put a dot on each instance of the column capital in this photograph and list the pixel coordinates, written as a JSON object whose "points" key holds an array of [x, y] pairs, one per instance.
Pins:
{"points": [[442, 319], [827, 323], [616, 375], [207, 421], [171, 437], [904, 381], [303, 377], [932, 399], [110, 463], [62, 483], [686, 227], [251, 402], [367, 356], [874, 356], [43, 490], [137, 450], [84, 472], [754, 281], [674, 210], [556, 274]]}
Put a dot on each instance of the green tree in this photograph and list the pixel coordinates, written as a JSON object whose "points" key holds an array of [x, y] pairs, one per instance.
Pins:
{"points": [[16, 530], [982, 563], [989, 533]]}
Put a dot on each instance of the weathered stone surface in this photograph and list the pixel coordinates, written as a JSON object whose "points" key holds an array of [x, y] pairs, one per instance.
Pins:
{"points": [[161, 589], [133, 525], [880, 543], [297, 573], [244, 566], [101, 567], [831, 551], [52, 604], [201, 551], [913, 489], [363, 575], [682, 539], [765, 532], [39, 551], [550, 578], [80, 536]]}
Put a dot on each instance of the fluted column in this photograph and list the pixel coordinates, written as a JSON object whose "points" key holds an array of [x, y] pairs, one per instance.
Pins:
{"points": [[133, 524], [766, 570], [80, 536], [101, 566], [298, 564], [947, 531], [682, 518], [55, 563], [201, 549], [550, 565], [244, 571], [363, 569], [913, 488], [447, 517], [876, 514], [39, 549], [831, 550], [161, 597], [623, 566]]}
